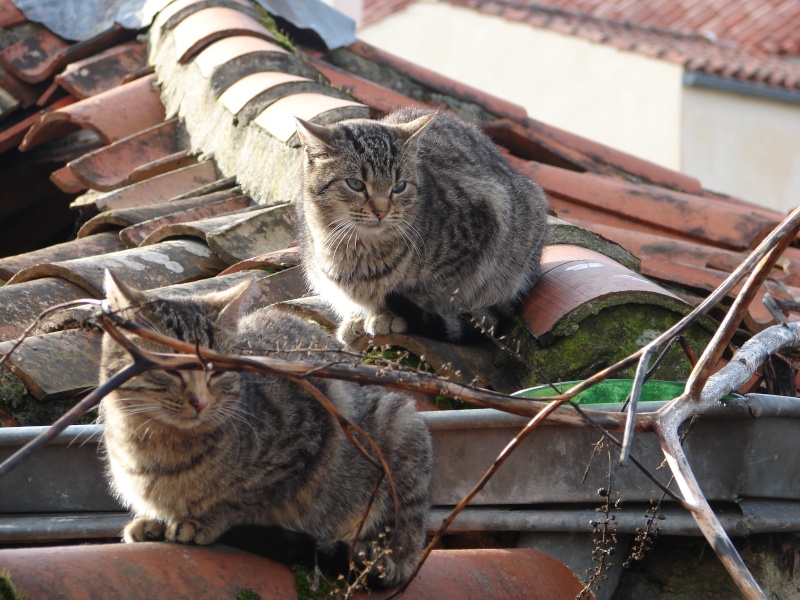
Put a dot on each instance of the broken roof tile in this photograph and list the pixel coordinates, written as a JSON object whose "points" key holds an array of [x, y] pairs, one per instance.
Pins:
{"points": [[166, 263], [116, 219], [279, 117], [21, 304], [112, 115], [88, 246], [56, 364], [135, 235], [160, 188], [101, 72], [13, 136], [578, 279], [237, 236], [144, 154], [208, 25]]}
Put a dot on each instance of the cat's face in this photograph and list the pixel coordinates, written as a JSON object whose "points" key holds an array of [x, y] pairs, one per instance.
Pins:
{"points": [[361, 178], [180, 398]]}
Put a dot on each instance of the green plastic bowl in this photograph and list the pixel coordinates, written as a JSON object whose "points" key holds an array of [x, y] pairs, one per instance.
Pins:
{"points": [[610, 391]]}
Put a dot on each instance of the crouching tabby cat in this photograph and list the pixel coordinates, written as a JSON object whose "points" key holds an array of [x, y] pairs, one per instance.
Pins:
{"points": [[416, 222], [194, 453]]}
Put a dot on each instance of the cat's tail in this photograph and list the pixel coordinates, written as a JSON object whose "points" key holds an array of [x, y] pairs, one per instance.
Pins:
{"points": [[456, 327]]}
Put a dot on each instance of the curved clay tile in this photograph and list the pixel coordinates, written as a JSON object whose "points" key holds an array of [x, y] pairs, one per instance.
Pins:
{"points": [[160, 188], [237, 236], [279, 117], [144, 154], [13, 136], [21, 304], [177, 11], [277, 260], [104, 570], [56, 364], [225, 50], [134, 235], [208, 25], [112, 115], [250, 86], [103, 71], [576, 282], [167, 263], [88, 246]]}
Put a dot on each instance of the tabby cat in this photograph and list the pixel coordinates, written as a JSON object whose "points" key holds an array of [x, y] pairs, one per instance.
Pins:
{"points": [[193, 453], [416, 223]]}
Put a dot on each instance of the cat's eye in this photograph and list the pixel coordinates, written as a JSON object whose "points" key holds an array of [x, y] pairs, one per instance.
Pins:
{"points": [[398, 187], [355, 184]]}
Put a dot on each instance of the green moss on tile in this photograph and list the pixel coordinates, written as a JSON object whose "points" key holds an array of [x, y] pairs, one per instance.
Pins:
{"points": [[325, 590], [12, 390], [604, 338], [248, 595], [281, 38]]}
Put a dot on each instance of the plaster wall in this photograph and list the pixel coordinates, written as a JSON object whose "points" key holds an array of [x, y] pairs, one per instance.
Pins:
{"points": [[743, 146], [621, 99]]}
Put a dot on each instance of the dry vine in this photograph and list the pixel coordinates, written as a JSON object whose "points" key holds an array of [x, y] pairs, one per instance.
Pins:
{"points": [[702, 392]]}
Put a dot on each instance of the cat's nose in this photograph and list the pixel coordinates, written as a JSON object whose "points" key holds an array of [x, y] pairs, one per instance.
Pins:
{"points": [[197, 403], [380, 213]]}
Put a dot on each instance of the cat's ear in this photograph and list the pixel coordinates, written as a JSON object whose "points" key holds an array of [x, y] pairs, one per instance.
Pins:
{"points": [[410, 132], [316, 139], [119, 295], [234, 302]]}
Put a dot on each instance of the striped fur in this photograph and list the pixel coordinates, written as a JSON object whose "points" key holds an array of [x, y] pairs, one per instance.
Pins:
{"points": [[416, 222], [192, 454]]}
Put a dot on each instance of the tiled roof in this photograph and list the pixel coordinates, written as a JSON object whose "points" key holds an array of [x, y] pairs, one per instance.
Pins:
{"points": [[170, 187], [747, 50]]}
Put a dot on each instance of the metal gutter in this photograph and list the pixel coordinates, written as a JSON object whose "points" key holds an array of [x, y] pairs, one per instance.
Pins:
{"points": [[737, 86]]}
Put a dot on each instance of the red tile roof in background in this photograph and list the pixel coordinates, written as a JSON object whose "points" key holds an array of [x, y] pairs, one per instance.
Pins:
{"points": [[704, 36]]}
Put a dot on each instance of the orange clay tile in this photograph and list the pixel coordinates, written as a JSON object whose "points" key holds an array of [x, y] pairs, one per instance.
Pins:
{"points": [[26, 93], [103, 71], [112, 115], [160, 188], [136, 234], [228, 48], [21, 304], [144, 154], [10, 15], [13, 136], [443, 84], [189, 572], [573, 276], [40, 56], [167, 263], [363, 90], [206, 26], [113, 220], [56, 364], [66, 180], [278, 118], [101, 243], [250, 86], [686, 215]]}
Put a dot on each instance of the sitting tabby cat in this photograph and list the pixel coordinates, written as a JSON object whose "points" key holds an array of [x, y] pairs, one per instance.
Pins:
{"points": [[194, 453], [416, 222]]}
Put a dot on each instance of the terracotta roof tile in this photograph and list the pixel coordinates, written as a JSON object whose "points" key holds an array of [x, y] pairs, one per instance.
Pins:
{"points": [[683, 38], [247, 88], [105, 570], [146, 268], [235, 237], [10, 15], [229, 48], [208, 25], [276, 260], [112, 115], [12, 136], [144, 154], [41, 360], [89, 246], [101, 72], [21, 304], [134, 235], [159, 188]]}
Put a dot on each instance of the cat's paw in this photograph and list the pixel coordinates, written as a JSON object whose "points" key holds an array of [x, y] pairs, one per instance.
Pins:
{"points": [[385, 323], [192, 531], [350, 330], [142, 529]]}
